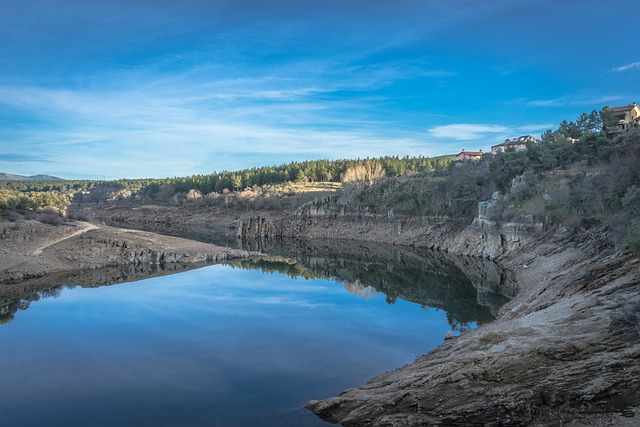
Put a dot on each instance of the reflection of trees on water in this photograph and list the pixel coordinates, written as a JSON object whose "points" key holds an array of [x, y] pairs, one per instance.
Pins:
{"points": [[18, 297], [295, 270], [358, 289], [8, 310], [469, 290]]}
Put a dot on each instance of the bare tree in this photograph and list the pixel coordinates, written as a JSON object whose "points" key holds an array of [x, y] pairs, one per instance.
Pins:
{"points": [[363, 173]]}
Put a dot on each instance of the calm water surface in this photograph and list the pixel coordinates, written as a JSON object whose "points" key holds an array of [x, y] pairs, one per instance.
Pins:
{"points": [[226, 345]]}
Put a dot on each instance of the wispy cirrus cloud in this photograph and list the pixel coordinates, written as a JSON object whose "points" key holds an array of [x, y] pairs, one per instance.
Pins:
{"points": [[195, 123], [626, 67], [575, 101], [466, 131], [484, 132], [25, 157]]}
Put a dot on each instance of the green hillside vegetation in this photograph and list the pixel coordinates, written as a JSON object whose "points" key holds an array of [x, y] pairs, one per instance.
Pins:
{"points": [[274, 187], [16, 200], [574, 177], [49, 205], [309, 171]]}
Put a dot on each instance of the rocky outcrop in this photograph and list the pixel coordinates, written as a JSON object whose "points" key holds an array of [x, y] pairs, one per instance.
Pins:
{"points": [[116, 251], [37, 249], [258, 232], [200, 223], [326, 218], [559, 352], [330, 218]]}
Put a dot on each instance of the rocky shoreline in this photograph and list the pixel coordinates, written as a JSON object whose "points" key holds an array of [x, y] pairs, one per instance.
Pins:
{"points": [[32, 249], [562, 352]]}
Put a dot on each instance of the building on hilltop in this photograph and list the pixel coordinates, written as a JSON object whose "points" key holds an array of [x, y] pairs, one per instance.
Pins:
{"points": [[627, 117], [468, 155], [518, 144]]}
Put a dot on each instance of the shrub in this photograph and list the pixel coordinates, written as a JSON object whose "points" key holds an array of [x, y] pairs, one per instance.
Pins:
{"points": [[194, 194], [631, 200], [76, 214], [509, 214], [632, 240], [618, 224], [50, 217], [494, 212], [573, 221], [14, 216]]}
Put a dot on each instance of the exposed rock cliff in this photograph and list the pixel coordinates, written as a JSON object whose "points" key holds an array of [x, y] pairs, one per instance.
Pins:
{"points": [[329, 218], [326, 218], [560, 352]]}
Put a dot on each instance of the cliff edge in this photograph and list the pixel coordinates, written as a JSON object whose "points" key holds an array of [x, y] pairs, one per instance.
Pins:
{"points": [[564, 351]]}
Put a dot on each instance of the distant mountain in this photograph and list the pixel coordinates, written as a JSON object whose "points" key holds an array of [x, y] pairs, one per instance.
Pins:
{"points": [[39, 177]]}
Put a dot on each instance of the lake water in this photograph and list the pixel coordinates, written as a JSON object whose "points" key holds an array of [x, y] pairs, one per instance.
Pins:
{"points": [[245, 344]]}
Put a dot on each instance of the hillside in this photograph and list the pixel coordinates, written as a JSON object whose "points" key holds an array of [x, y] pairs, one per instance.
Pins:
{"points": [[40, 177], [562, 217]]}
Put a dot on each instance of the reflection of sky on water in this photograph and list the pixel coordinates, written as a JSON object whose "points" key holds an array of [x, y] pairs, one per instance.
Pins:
{"points": [[211, 347]]}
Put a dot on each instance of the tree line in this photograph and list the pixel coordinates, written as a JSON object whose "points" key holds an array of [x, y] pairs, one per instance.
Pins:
{"points": [[307, 171]]}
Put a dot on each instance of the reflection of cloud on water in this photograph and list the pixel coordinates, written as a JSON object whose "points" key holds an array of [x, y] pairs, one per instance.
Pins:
{"points": [[284, 300]]}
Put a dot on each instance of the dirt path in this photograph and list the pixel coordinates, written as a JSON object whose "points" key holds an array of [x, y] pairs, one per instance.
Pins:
{"points": [[84, 229], [28, 250]]}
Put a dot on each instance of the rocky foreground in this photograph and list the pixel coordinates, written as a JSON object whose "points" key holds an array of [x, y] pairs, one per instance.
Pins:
{"points": [[32, 249], [564, 351]]}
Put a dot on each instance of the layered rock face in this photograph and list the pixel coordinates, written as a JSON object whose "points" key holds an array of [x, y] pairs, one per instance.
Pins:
{"points": [[329, 218], [563, 350], [559, 352], [114, 251]]}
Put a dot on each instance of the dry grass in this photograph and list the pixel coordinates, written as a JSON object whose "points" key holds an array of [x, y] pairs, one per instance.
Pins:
{"points": [[305, 187], [285, 196]]}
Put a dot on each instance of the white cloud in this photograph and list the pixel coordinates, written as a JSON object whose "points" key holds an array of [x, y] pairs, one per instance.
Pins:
{"points": [[187, 127], [486, 134], [576, 101], [467, 131], [533, 128], [627, 67]]}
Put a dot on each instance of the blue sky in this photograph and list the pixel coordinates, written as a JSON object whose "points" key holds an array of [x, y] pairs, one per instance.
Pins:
{"points": [[142, 88]]}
